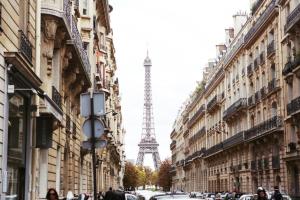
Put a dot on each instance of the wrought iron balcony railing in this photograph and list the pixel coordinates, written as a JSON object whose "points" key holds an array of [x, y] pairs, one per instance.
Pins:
{"points": [[235, 108], [233, 140], [292, 19], [200, 112], [293, 106], [291, 65], [25, 46], [261, 21], [76, 38], [214, 149], [56, 97], [213, 103], [249, 70], [263, 128], [276, 162], [271, 48]]}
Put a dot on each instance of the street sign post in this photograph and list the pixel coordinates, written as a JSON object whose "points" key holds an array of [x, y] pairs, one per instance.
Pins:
{"points": [[92, 105]]}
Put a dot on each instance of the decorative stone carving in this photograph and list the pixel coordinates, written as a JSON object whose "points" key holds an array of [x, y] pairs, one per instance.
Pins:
{"points": [[49, 29]]}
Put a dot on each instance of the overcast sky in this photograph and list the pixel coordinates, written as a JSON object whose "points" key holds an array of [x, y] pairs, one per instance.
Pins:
{"points": [[181, 36]]}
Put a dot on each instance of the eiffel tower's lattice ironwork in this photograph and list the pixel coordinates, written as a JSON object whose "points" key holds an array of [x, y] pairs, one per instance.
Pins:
{"points": [[148, 143]]}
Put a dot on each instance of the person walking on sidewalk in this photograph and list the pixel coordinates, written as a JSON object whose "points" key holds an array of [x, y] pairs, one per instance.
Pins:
{"points": [[52, 194], [277, 195], [109, 195]]}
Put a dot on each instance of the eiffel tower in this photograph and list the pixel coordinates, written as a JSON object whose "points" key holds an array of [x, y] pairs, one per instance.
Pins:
{"points": [[148, 143]]}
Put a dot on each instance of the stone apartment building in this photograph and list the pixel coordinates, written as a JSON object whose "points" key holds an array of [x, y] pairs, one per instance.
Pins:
{"points": [[250, 107], [52, 51]]}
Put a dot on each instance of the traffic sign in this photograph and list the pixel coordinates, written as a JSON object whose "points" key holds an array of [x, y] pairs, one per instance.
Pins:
{"points": [[99, 104], [87, 128], [98, 144]]}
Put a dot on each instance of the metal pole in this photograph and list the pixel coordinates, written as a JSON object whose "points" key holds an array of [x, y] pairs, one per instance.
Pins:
{"points": [[93, 148]]}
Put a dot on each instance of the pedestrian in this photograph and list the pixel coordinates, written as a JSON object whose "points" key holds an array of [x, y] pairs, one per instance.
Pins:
{"points": [[100, 195], [277, 195], [119, 194], [52, 194], [261, 194], [109, 195]]}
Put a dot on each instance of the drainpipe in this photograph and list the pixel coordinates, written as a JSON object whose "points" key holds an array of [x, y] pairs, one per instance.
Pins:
{"points": [[35, 151]]}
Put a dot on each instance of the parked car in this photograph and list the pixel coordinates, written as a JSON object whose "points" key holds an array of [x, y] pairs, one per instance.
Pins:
{"points": [[247, 197], [210, 196], [130, 197], [172, 196]]}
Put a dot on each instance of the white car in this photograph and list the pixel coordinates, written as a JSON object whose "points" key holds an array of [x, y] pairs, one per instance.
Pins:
{"points": [[247, 197], [130, 197]]}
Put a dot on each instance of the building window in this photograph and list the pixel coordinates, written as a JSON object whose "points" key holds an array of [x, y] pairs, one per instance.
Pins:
{"points": [[17, 137], [85, 7]]}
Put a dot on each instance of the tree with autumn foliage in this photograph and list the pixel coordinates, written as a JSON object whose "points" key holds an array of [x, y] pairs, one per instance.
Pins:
{"points": [[164, 175], [131, 176]]}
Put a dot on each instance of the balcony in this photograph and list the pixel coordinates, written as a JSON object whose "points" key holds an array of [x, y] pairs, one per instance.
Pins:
{"points": [[56, 97], [262, 59], [292, 20], [213, 104], [214, 149], [255, 64], [271, 48], [276, 162], [25, 46], [173, 145], [263, 128], [251, 101], [293, 106], [235, 109], [261, 23], [233, 140], [68, 25], [272, 86], [198, 135], [291, 65], [263, 92], [249, 70], [200, 112]]}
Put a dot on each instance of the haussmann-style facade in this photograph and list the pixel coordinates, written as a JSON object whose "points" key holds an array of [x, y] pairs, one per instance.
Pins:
{"points": [[240, 128], [51, 52]]}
